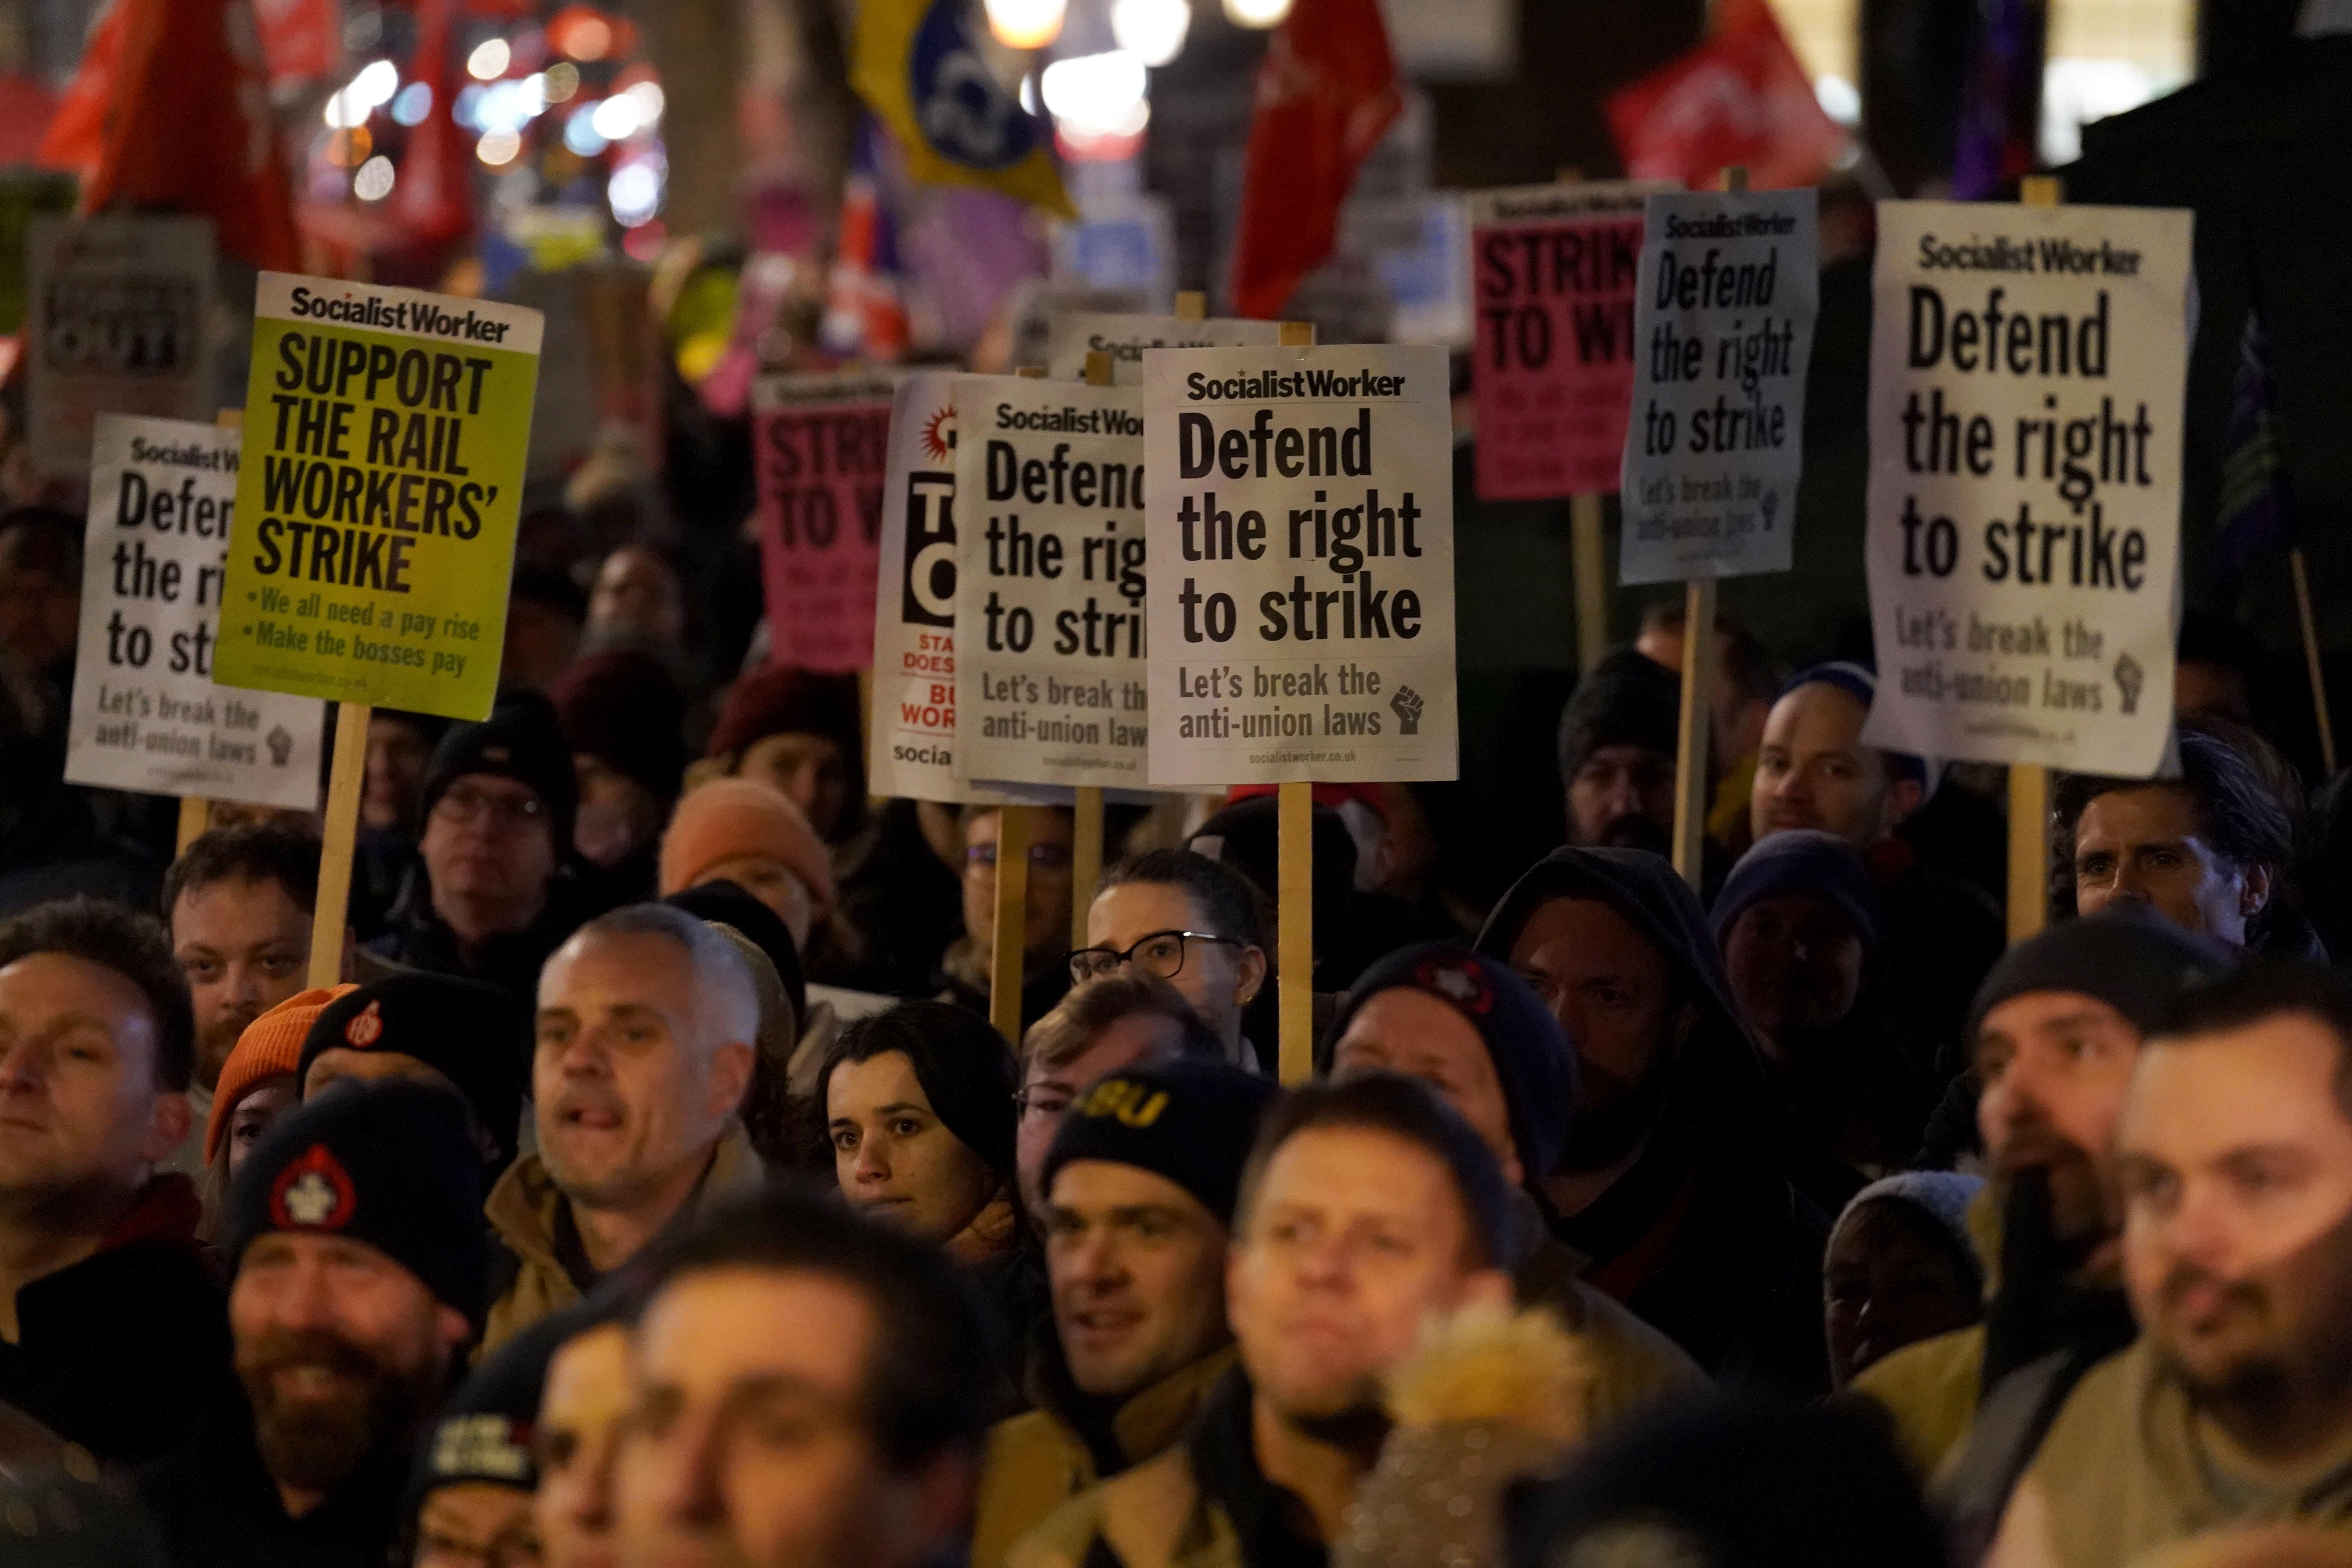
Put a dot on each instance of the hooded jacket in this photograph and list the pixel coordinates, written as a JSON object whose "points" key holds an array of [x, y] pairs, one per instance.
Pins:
{"points": [[540, 1273], [1703, 1236]]}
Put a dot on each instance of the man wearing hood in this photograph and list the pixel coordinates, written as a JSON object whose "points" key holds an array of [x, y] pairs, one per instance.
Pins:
{"points": [[2057, 1028], [1617, 747], [1672, 1184]]}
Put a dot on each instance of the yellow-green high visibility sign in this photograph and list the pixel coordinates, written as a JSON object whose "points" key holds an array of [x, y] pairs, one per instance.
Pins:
{"points": [[378, 493]]}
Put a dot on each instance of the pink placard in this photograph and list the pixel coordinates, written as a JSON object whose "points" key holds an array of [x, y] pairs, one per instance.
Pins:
{"points": [[1553, 370], [820, 529]]}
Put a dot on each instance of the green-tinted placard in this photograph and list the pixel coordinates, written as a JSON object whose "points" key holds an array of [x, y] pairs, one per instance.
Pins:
{"points": [[378, 492]]}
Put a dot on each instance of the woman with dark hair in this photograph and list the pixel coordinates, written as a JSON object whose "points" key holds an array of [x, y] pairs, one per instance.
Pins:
{"points": [[919, 1109]]}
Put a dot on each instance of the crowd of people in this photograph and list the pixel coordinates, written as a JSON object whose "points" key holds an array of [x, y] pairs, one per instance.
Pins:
{"points": [[652, 1189]]}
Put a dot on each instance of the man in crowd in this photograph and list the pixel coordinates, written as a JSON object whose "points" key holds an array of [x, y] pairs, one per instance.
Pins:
{"points": [[356, 1245], [1617, 747], [1045, 914], [1367, 1208], [1477, 1034], [496, 893], [2057, 1028], [2234, 1151], [2209, 851], [1190, 921], [1672, 1182], [238, 902], [858, 1346], [111, 1325], [646, 1023], [1099, 1029], [464, 1035], [40, 592], [1138, 1205], [1939, 935]]}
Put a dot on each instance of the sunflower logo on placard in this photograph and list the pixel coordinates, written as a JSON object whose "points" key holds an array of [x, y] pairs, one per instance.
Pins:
{"points": [[939, 434]]}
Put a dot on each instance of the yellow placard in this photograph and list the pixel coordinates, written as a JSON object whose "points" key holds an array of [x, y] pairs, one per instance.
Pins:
{"points": [[378, 493]]}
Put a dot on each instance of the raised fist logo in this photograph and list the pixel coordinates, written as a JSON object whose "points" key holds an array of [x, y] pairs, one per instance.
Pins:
{"points": [[1770, 507], [1407, 705], [2129, 678], [281, 744]]}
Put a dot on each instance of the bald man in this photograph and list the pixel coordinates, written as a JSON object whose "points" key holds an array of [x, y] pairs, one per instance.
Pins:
{"points": [[645, 1031]]}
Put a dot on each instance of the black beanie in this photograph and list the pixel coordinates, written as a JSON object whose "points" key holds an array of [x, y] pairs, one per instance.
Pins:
{"points": [[727, 903], [391, 1164], [1534, 1063], [1192, 1119], [477, 1037], [1626, 700], [2127, 955], [963, 1065], [521, 740]]}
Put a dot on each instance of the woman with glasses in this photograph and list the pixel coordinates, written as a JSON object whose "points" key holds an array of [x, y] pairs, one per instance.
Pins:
{"points": [[1045, 970], [1190, 921]]}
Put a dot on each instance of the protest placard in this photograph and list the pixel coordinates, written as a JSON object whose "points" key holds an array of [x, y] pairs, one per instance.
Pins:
{"points": [[117, 324], [384, 439], [820, 442], [912, 733], [1301, 541], [1074, 334], [145, 714], [1552, 271], [1050, 618], [2028, 378], [1723, 332]]}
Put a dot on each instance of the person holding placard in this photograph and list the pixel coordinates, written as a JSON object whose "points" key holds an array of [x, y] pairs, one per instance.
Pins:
{"points": [[493, 892], [1045, 962]]}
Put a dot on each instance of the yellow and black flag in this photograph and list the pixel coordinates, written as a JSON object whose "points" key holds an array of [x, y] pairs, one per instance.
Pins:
{"points": [[916, 68]]}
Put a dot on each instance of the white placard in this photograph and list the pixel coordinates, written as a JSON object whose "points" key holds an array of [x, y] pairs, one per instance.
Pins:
{"points": [[1723, 332], [1074, 334], [2028, 379], [116, 323], [145, 713], [1301, 528], [1049, 615], [912, 730]]}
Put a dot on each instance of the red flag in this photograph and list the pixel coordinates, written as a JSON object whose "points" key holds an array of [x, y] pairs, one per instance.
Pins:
{"points": [[433, 198], [301, 39], [1740, 96], [75, 138], [1326, 93], [186, 126]]}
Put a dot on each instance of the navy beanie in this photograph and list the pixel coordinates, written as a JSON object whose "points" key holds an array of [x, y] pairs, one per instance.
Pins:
{"points": [[1801, 860], [1533, 1060], [1860, 682], [389, 1165], [2127, 955], [1192, 1119]]}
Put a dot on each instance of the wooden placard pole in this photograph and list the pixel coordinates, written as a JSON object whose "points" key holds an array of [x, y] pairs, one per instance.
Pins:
{"points": [[2311, 660], [1008, 950], [1589, 566], [2029, 784], [338, 842], [1692, 731], [1588, 560], [1192, 305], [1087, 804], [1294, 889]]}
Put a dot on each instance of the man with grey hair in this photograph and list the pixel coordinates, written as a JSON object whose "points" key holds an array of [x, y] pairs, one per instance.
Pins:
{"points": [[644, 1050]]}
